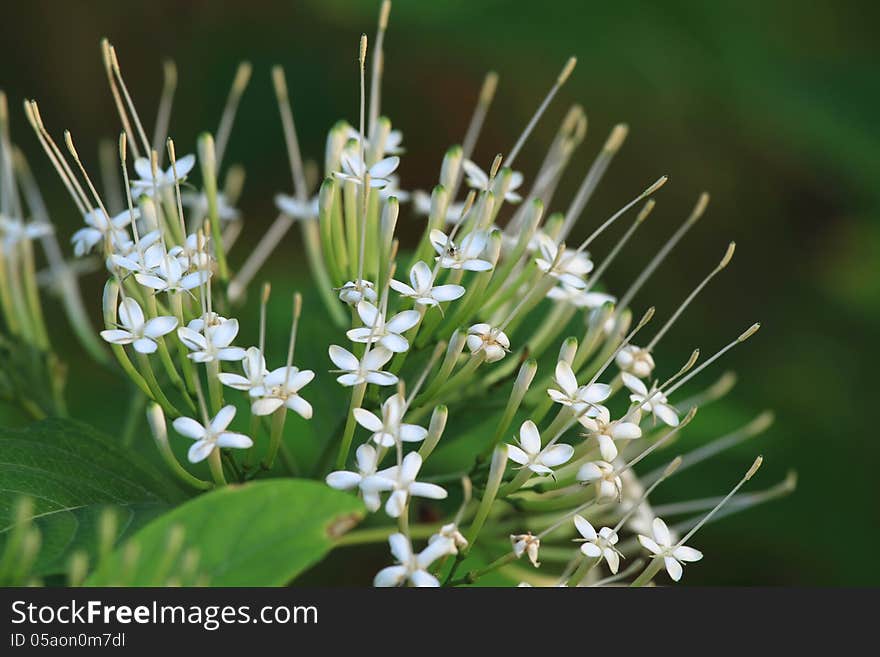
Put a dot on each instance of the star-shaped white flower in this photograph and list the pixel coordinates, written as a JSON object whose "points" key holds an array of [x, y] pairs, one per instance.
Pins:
{"points": [[603, 476], [479, 179], [169, 276], [650, 401], [254, 365], [526, 544], [569, 267], [635, 360], [464, 256], [450, 533], [214, 343], [673, 554], [212, 436], [388, 429], [353, 169], [281, 388], [412, 568], [493, 342], [406, 486], [296, 209], [191, 255], [365, 370], [583, 400], [422, 288], [394, 143], [598, 545], [147, 184], [607, 432], [141, 257], [197, 203], [353, 292], [530, 455], [14, 231], [376, 329], [97, 228], [579, 298], [136, 331], [366, 479]]}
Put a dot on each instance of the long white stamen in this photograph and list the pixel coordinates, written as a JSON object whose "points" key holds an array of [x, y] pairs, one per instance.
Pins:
{"points": [[643, 214], [742, 338], [117, 98], [378, 66], [122, 162], [264, 300], [166, 102], [114, 63], [239, 84], [297, 311], [668, 471]]}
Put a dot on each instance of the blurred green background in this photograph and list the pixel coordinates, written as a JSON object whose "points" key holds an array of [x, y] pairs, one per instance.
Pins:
{"points": [[771, 106]]}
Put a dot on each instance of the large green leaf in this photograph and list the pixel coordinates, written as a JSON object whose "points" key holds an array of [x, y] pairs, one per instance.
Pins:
{"points": [[73, 472], [258, 534]]}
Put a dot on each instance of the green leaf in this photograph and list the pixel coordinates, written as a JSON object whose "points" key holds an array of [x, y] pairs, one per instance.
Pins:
{"points": [[73, 472], [257, 534]]}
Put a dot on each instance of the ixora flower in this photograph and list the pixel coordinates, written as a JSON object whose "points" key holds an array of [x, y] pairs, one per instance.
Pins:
{"points": [[296, 209], [366, 479], [197, 203], [254, 366], [98, 226], [650, 401], [607, 432], [530, 455], [14, 230], [493, 342], [406, 486], [583, 400], [579, 298], [353, 292], [673, 555], [450, 532], [354, 168], [636, 361], [465, 256], [526, 544], [142, 257], [355, 371], [479, 179], [422, 288], [215, 343], [169, 276], [137, 331], [281, 387], [390, 429], [603, 476], [568, 267], [412, 568], [210, 436], [598, 545], [376, 329], [163, 179]]}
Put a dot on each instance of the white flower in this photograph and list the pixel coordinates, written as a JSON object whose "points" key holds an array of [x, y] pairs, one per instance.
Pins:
{"points": [[169, 276], [478, 179], [606, 432], [365, 370], [530, 455], [411, 568], [97, 228], [14, 230], [137, 332], [602, 475], [673, 555], [281, 388], [636, 361], [366, 479], [147, 183], [353, 292], [254, 365], [466, 256], [599, 545], [657, 404], [493, 342], [579, 298], [569, 267], [207, 319], [450, 533], [422, 205], [526, 544], [393, 143], [389, 429], [376, 329], [141, 257], [406, 486], [197, 202], [296, 209], [423, 289], [211, 436], [190, 255], [353, 169], [214, 343], [583, 400]]}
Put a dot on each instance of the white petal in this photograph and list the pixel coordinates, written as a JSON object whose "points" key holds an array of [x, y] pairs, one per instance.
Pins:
{"points": [[199, 451], [396, 503], [476, 265], [660, 531], [223, 335], [685, 553], [585, 528], [421, 276], [516, 455], [380, 378], [130, 314], [390, 576], [223, 418], [159, 326], [591, 550], [565, 378], [673, 568], [666, 413], [188, 427], [367, 419], [431, 491], [145, 346], [529, 438], [117, 336], [343, 480], [396, 343], [447, 292], [556, 455], [384, 168], [612, 559], [607, 448], [402, 288], [234, 439], [412, 433], [400, 547], [596, 393], [633, 383], [376, 358], [649, 544], [626, 431], [423, 579], [300, 406], [266, 406], [343, 359], [404, 321], [231, 353]]}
